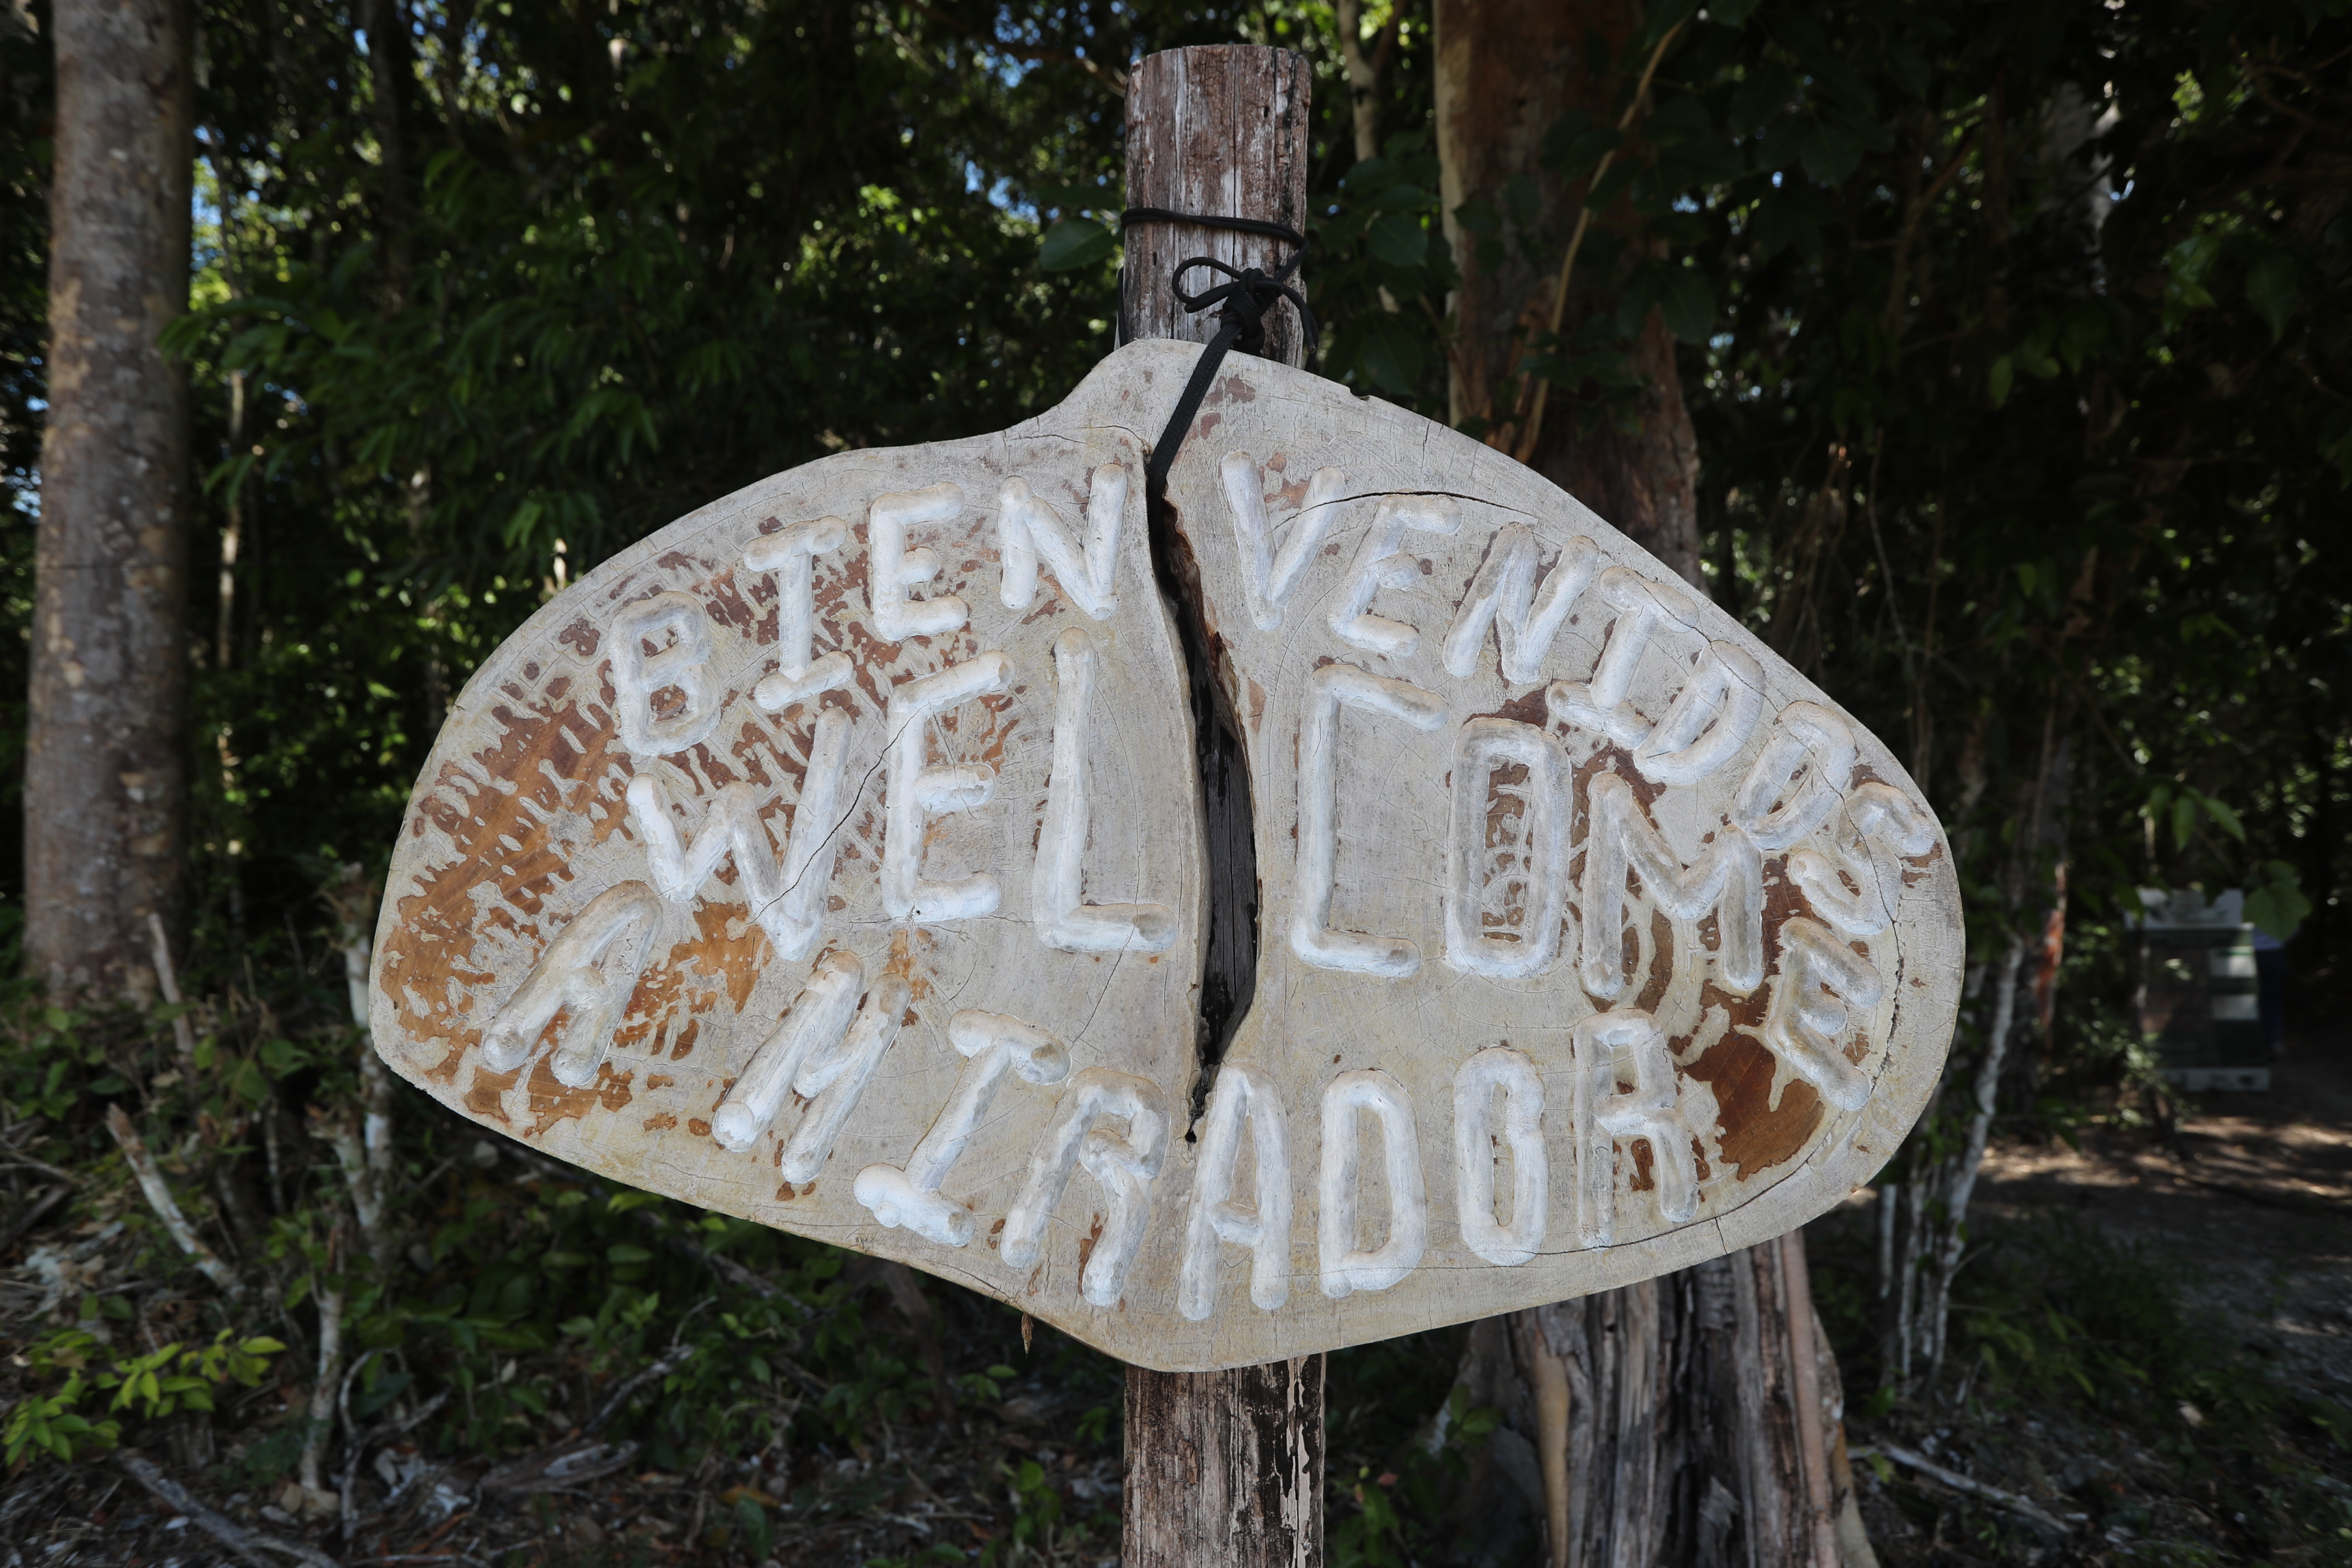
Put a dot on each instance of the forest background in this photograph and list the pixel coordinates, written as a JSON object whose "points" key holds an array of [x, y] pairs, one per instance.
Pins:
{"points": [[2016, 345]]}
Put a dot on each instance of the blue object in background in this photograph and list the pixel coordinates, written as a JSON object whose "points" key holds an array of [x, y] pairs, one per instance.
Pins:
{"points": [[2270, 971]]}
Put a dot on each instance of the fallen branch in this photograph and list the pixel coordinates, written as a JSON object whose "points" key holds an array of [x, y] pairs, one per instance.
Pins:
{"points": [[1960, 1483], [167, 1207], [629, 1387], [248, 1544], [16, 1162], [374, 1436], [32, 1216], [182, 1035]]}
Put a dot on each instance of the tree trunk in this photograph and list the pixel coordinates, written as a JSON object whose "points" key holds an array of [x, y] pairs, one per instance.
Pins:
{"points": [[1680, 1427], [1505, 70], [105, 769], [1223, 1467], [1693, 1419]]}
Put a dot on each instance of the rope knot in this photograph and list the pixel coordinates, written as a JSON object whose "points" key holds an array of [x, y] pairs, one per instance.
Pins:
{"points": [[1242, 305], [1243, 302]]}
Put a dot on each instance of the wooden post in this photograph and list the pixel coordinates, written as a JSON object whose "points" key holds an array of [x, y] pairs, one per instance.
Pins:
{"points": [[1223, 1467]]}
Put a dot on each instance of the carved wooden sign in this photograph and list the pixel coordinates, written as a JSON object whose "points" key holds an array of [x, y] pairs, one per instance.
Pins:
{"points": [[833, 857]]}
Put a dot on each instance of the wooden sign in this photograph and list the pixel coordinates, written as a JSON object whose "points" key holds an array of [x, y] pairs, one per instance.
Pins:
{"points": [[834, 858]]}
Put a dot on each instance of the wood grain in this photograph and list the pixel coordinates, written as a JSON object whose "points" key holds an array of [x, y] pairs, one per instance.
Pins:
{"points": [[1222, 130], [1264, 1471], [1342, 1089], [1233, 1457]]}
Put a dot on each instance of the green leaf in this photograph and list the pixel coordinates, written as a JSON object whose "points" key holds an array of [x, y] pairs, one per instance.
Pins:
{"points": [[1393, 353], [621, 1252], [1768, 91], [1829, 153], [1580, 153], [1399, 240], [2226, 818], [1662, 15], [1073, 243], [1687, 304], [2272, 288], [1999, 380]]}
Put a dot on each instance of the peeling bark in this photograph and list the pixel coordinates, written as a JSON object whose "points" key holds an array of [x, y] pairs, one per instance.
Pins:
{"points": [[1704, 1425]]}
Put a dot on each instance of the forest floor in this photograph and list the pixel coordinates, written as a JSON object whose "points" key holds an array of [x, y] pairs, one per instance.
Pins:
{"points": [[2213, 1256], [2226, 1243]]}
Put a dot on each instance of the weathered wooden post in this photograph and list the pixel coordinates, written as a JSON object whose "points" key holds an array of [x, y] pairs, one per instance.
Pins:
{"points": [[1429, 909], [1220, 1465]]}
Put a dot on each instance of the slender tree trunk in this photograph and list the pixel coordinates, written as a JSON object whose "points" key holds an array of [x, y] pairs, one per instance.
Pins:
{"points": [[105, 771], [1364, 78], [1701, 1422], [388, 74]]}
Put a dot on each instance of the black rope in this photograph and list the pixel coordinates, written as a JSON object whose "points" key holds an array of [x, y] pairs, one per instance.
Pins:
{"points": [[1282, 231], [1241, 304]]}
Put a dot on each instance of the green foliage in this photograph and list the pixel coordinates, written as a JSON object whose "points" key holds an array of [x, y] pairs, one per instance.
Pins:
{"points": [[1381, 270], [2275, 900], [2061, 1310], [1074, 242], [144, 1388]]}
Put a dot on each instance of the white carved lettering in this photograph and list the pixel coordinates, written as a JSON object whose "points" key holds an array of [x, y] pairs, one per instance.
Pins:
{"points": [[1505, 837], [1600, 704], [1882, 825], [577, 973], [791, 556], [892, 568], [832, 1080], [1063, 921], [1504, 595], [918, 793], [1605, 1116], [1709, 721], [1797, 778], [1380, 562], [1475, 1083], [1347, 1267], [992, 1045], [1242, 1094], [787, 899], [1311, 937], [1269, 575], [1029, 528], [818, 1018], [1122, 1166], [1805, 1026], [1727, 879], [683, 664]]}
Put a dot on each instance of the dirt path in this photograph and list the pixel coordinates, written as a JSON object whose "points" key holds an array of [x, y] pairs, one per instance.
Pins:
{"points": [[2253, 1201]]}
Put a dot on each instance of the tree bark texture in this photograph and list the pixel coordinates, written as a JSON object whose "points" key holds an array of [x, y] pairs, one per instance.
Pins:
{"points": [[1221, 130], [1680, 1429], [1703, 1421], [105, 770], [1225, 1466], [1507, 70]]}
